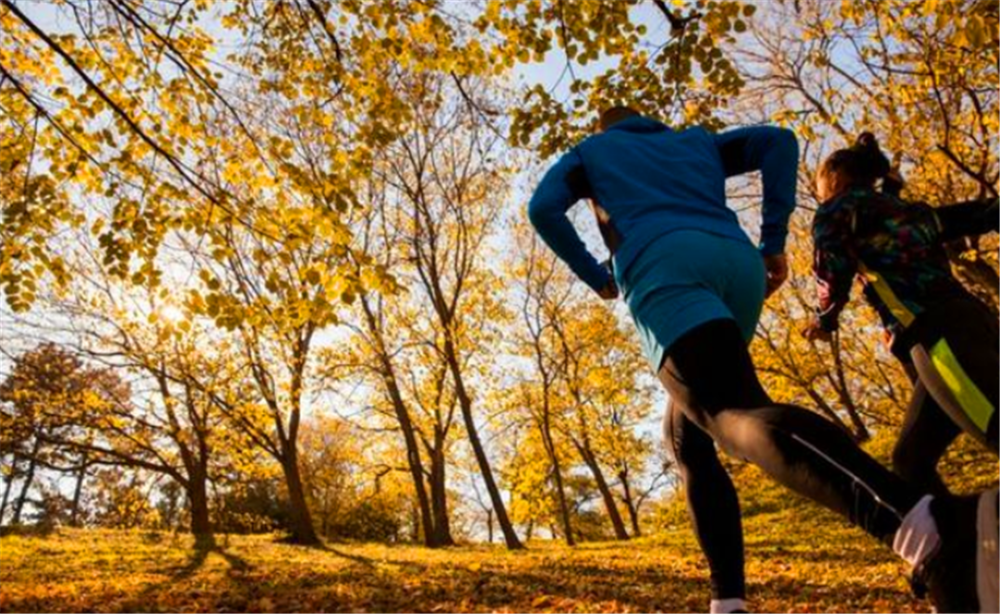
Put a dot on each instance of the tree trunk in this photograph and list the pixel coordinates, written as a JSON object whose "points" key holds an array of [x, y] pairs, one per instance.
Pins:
{"points": [[633, 512], [605, 490], [29, 477], [302, 528], [416, 467], [439, 496], [633, 515], [413, 461], [416, 527], [550, 448], [465, 403], [563, 506], [324, 520], [8, 484], [74, 515], [489, 525], [197, 494]]}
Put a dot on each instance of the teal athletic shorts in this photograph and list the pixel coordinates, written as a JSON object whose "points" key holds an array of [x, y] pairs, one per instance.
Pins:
{"points": [[686, 278]]}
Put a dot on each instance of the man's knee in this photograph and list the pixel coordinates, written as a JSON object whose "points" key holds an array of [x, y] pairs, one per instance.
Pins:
{"points": [[774, 430], [689, 445]]}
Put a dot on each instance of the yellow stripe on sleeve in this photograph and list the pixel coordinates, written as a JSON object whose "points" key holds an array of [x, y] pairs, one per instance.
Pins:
{"points": [[896, 306]]}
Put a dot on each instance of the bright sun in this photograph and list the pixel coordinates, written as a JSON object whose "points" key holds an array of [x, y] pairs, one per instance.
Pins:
{"points": [[171, 314]]}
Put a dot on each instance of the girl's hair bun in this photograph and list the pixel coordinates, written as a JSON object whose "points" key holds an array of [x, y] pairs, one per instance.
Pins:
{"points": [[873, 162], [866, 140]]}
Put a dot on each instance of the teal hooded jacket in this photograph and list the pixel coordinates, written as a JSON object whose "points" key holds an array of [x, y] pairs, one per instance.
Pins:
{"points": [[652, 180]]}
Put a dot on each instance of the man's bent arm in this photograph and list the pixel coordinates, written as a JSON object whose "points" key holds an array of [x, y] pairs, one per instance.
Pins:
{"points": [[775, 153], [560, 188]]}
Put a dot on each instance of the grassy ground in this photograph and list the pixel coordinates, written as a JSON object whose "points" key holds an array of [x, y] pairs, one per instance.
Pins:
{"points": [[799, 559]]}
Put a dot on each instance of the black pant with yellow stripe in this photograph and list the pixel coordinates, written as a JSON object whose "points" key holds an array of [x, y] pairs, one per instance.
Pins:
{"points": [[955, 362]]}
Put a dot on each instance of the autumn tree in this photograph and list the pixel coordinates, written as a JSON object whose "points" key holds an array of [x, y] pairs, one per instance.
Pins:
{"points": [[434, 205], [583, 377], [47, 399], [347, 491], [451, 201], [536, 500], [168, 424], [381, 351], [600, 364], [536, 473], [544, 288], [122, 499]]}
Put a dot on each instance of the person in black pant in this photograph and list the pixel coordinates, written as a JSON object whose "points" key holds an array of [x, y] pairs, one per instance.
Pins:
{"points": [[713, 507], [946, 338], [949, 317], [685, 267], [719, 391], [936, 416], [712, 502]]}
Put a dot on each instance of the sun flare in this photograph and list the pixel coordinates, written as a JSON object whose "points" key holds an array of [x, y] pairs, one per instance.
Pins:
{"points": [[171, 314]]}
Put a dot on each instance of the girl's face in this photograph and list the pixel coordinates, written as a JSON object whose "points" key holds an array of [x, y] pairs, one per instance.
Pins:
{"points": [[828, 185]]}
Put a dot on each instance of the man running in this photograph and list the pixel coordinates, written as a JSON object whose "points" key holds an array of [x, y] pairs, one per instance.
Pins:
{"points": [[712, 502], [687, 270]]}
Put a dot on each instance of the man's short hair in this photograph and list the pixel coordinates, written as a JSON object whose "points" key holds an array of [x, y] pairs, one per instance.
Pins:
{"points": [[615, 114]]}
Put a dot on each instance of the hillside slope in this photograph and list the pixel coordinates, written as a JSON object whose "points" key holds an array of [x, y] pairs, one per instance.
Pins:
{"points": [[800, 558], [795, 563]]}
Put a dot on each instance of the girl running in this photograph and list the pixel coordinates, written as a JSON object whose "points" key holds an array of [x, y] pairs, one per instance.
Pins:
{"points": [[947, 338]]}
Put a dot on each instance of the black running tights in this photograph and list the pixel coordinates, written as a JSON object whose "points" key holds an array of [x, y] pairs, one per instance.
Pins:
{"points": [[710, 376]]}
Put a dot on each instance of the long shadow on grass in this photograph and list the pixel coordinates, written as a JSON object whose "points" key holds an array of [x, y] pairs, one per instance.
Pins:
{"points": [[589, 587], [360, 559], [453, 588], [203, 546]]}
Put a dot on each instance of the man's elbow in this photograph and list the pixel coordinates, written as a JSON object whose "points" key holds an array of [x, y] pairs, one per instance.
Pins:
{"points": [[771, 148], [538, 212], [785, 139]]}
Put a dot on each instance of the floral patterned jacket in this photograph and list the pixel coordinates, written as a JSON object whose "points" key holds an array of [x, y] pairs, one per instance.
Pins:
{"points": [[896, 249]]}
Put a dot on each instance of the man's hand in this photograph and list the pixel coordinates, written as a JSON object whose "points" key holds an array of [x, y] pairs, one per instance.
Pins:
{"points": [[777, 272], [815, 332], [609, 291]]}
